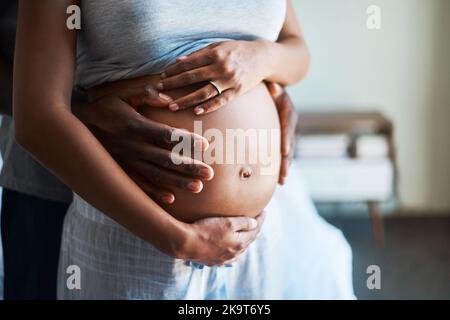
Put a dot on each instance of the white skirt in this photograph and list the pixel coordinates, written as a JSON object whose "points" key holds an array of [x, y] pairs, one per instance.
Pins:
{"points": [[297, 256]]}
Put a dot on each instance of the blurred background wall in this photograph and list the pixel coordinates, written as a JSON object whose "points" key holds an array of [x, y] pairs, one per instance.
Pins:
{"points": [[402, 70]]}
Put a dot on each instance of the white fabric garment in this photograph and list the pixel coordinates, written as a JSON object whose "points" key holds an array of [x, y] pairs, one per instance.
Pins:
{"points": [[297, 256]]}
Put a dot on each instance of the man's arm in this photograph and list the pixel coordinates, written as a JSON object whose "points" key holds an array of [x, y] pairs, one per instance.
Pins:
{"points": [[45, 125], [128, 136], [5, 87], [141, 146]]}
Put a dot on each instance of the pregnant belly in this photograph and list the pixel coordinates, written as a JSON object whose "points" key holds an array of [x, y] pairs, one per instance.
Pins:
{"points": [[244, 152]]}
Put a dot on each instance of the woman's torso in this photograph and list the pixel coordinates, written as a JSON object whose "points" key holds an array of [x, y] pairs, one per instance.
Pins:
{"points": [[128, 39]]}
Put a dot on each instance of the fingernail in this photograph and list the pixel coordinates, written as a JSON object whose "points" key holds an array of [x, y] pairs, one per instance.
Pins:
{"points": [[181, 58], [205, 173], [253, 223], [195, 186], [199, 111], [165, 97], [168, 199], [160, 86], [163, 75], [174, 107]]}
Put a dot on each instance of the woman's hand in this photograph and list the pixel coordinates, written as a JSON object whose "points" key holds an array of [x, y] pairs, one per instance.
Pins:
{"points": [[238, 66], [288, 123], [218, 241], [234, 66], [143, 147]]}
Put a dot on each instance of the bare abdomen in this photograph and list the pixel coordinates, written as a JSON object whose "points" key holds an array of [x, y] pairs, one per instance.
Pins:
{"points": [[244, 183], [246, 158]]}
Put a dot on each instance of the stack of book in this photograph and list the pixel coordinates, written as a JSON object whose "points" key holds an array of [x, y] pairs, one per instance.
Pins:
{"points": [[344, 168], [323, 146]]}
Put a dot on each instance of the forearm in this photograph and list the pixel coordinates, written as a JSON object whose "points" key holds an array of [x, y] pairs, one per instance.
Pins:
{"points": [[44, 124], [5, 88], [65, 146], [286, 61]]}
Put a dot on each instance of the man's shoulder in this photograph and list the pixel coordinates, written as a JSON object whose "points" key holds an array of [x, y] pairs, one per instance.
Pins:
{"points": [[8, 22]]}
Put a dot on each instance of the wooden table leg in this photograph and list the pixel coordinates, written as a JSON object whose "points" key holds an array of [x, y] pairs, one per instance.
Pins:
{"points": [[377, 223]]}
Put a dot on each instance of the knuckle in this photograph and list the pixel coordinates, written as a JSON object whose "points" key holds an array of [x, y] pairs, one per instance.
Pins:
{"points": [[209, 105], [229, 96], [187, 65], [196, 169], [227, 69], [164, 161], [184, 66], [229, 258], [152, 192], [235, 78], [180, 182], [156, 176], [190, 168], [220, 101], [215, 54], [222, 70], [237, 84], [189, 77], [204, 94], [229, 224], [167, 134], [130, 128], [149, 91], [214, 103], [239, 247]]}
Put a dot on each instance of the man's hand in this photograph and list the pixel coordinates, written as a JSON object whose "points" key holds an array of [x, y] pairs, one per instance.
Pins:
{"points": [[142, 146], [288, 121], [219, 241]]}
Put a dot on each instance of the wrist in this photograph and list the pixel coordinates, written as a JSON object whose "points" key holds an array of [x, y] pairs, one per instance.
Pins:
{"points": [[182, 240], [266, 58]]}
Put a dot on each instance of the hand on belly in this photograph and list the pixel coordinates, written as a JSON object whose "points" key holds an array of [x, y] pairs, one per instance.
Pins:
{"points": [[244, 153]]}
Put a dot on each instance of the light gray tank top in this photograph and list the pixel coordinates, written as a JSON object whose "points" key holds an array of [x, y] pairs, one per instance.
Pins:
{"points": [[128, 38]]}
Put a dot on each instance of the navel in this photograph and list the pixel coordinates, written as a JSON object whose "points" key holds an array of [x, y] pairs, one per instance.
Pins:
{"points": [[245, 173]]}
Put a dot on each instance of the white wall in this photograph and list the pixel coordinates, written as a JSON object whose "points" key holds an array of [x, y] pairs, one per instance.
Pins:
{"points": [[403, 70]]}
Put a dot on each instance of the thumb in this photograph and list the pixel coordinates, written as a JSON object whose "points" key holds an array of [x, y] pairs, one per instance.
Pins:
{"points": [[137, 97], [285, 137], [275, 89], [243, 223]]}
